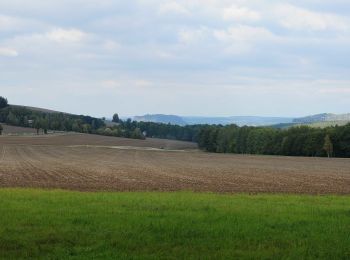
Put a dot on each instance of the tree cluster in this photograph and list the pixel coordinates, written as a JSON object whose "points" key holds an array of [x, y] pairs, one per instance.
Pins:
{"points": [[295, 141], [141, 130], [167, 131]]}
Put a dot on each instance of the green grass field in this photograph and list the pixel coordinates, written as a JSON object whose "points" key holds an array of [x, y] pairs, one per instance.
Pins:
{"points": [[63, 225]]}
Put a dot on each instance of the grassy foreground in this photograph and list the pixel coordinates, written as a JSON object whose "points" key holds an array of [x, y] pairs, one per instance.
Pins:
{"points": [[60, 224]]}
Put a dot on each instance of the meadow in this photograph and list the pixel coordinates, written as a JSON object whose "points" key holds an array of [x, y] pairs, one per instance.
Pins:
{"points": [[72, 225]]}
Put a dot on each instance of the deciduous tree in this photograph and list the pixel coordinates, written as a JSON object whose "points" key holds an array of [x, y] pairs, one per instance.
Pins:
{"points": [[328, 146]]}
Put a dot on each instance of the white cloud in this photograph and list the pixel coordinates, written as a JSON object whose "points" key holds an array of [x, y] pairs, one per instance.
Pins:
{"points": [[335, 91], [111, 84], [189, 35], [143, 83], [296, 18], [8, 23], [66, 35], [188, 43], [242, 39], [237, 13], [8, 52], [15, 24], [111, 45], [173, 7], [243, 33]]}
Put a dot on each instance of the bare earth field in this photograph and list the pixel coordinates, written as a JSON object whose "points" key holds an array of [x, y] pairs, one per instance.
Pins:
{"points": [[96, 163], [94, 140]]}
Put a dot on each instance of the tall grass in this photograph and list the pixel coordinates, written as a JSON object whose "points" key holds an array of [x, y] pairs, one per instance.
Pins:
{"points": [[63, 225]]}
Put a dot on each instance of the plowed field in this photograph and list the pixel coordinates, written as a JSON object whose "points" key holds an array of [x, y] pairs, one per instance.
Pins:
{"points": [[94, 163]]}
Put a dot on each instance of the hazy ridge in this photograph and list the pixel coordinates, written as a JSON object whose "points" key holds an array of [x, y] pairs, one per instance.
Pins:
{"points": [[243, 120]]}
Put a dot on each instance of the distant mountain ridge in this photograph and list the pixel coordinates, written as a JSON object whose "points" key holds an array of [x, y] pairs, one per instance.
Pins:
{"points": [[160, 118], [193, 120], [238, 120], [325, 117], [242, 120]]}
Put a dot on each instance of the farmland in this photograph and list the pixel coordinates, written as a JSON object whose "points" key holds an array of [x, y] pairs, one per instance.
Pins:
{"points": [[16, 130], [77, 196], [96, 163]]}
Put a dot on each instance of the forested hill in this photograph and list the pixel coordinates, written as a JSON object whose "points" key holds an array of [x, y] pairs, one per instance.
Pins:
{"points": [[45, 119], [39, 109], [48, 119]]}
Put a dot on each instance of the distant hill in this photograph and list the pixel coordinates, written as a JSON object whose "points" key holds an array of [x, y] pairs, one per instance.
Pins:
{"points": [[193, 120], [326, 117], [238, 120], [319, 120], [160, 118]]}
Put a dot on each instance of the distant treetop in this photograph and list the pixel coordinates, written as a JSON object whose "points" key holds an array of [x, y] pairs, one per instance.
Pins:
{"points": [[115, 118], [3, 102]]}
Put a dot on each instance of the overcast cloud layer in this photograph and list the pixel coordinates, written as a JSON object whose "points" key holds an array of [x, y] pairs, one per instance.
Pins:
{"points": [[187, 57]]}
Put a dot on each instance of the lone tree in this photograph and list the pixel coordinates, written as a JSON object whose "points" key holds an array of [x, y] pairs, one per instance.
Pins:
{"points": [[44, 125], [1, 128], [3, 102], [115, 118], [37, 125], [328, 146]]}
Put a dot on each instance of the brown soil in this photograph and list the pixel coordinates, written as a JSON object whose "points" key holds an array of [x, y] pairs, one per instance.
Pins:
{"points": [[62, 162], [84, 139]]}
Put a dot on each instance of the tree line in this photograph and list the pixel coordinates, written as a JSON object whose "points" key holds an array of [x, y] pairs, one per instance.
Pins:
{"points": [[295, 141]]}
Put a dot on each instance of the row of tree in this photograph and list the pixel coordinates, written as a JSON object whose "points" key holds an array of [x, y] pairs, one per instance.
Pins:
{"points": [[164, 131], [295, 141]]}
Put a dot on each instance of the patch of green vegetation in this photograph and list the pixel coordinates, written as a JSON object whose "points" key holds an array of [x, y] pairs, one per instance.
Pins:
{"points": [[323, 124], [328, 124], [73, 225]]}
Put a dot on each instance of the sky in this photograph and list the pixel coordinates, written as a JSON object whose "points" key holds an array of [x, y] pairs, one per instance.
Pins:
{"points": [[185, 57]]}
